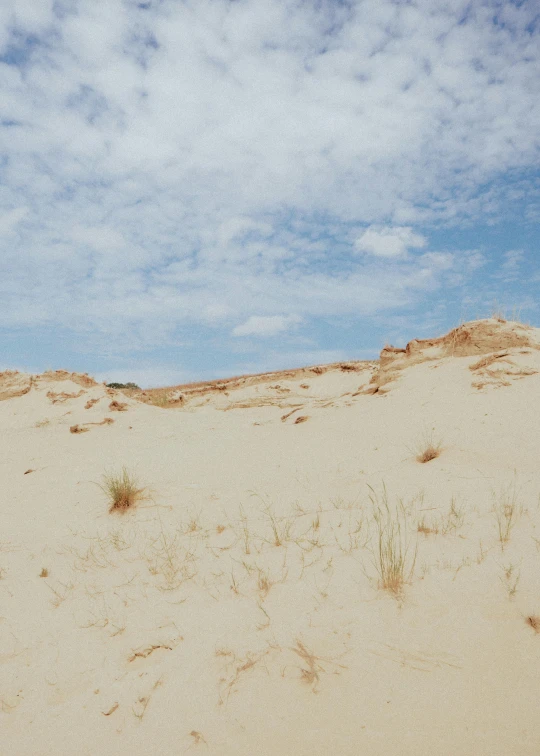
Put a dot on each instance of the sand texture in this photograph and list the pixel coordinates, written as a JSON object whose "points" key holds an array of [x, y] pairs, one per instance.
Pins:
{"points": [[291, 579]]}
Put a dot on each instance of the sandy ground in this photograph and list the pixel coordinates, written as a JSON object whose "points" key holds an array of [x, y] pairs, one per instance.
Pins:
{"points": [[239, 608]]}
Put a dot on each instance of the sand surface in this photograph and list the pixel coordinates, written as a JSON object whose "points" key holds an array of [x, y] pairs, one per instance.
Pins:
{"points": [[238, 608]]}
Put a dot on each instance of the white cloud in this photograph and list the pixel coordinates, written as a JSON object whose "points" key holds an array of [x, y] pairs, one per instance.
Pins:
{"points": [[512, 260], [389, 241], [270, 325], [9, 220], [510, 269]]}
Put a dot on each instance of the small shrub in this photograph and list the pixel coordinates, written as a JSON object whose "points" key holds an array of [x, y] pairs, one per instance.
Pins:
{"points": [[121, 490], [129, 385]]}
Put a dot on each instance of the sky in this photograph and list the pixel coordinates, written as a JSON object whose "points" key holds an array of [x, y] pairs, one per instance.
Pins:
{"points": [[202, 188]]}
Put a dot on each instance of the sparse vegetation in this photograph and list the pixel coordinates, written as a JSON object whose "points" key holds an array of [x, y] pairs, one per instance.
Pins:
{"points": [[446, 523], [159, 401], [394, 553], [533, 620], [511, 580], [427, 528], [505, 509], [169, 559], [454, 518], [311, 669], [280, 526], [121, 490]]}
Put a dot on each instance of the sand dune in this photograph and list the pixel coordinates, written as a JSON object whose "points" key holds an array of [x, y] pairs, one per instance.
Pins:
{"points": [[241, 605]]}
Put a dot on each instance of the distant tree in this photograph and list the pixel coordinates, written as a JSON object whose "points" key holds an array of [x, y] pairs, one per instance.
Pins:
{"points": [[129, 385]]}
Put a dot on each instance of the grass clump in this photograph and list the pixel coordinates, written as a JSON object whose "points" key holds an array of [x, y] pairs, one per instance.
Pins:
{"points": [[394, 555], [122, 491], [427, 448], [505, 509]]}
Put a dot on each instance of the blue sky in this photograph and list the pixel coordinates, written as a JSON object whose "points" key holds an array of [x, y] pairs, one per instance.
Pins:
{"points": [[201, 188]]}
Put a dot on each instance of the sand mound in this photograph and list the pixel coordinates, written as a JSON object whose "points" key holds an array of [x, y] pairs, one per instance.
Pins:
{"points": [[13, 384], [479, 337]]}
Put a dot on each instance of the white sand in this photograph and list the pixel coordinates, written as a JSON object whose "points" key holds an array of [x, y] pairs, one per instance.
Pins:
{"points": [[181, 626]]}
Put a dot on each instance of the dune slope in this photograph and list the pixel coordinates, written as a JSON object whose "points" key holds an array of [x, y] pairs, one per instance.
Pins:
{"points": [[241, 606]]}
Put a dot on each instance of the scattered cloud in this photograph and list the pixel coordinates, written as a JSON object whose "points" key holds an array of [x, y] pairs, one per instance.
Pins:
{"points": [[512, 260], [389, 242], [270, 325]]}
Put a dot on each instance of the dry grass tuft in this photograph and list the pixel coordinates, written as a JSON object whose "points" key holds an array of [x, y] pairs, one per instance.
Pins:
{"points": [[301, 419], [121, 490], [428, 449], [427, 529], [534, 621], [446, 523], [312, 667], [310, 672], [280, 526], [44, 573], [394, 558], [197, 737], [511, 580], [505, 509]]}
